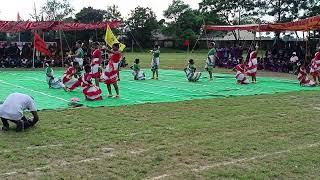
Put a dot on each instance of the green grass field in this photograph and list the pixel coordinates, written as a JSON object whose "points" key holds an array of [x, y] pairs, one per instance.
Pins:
{"points": [[248, 137]]}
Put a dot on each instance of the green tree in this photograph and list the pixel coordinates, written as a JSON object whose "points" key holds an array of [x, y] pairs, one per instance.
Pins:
{"points": [[56, 10], [314, 9], [113, 13], [142, 22], [289, 10], [183, 22], [90, 15], [229, 9], [175, 9]]}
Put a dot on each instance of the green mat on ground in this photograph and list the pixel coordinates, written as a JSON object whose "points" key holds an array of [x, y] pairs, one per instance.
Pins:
{"points": [[171, 87]]}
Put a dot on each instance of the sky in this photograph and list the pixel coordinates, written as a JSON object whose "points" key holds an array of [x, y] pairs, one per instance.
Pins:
{"points": [[9, 9]]}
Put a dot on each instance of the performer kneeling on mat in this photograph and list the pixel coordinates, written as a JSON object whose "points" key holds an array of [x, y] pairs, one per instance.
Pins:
{"points": [[137, 73], [70, 77], [90, 91], [191, 73], [12, 110], [53, 82], [240, 76], [303, 78]]}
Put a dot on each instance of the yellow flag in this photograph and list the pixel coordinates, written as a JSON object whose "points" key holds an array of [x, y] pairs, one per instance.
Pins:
{"points": [[111, 39]]}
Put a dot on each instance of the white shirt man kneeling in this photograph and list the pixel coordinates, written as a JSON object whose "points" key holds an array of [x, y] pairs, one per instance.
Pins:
{"points": [[12, 109]]}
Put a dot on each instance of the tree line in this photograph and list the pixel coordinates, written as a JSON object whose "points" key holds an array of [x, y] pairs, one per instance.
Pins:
{"points": [[181, 22]]}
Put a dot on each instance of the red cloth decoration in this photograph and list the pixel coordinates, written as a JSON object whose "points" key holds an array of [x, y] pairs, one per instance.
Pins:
{"points": [[41, 45]]}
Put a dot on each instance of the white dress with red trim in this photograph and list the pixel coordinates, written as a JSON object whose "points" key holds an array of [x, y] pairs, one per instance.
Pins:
{"points": [[303, 78], [68, 79], [253, 64], [90, 91], [240, 76], [111, 70], [315, 65], [95, 63]]}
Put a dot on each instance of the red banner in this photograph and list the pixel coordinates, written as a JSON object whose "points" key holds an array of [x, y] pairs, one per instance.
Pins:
{"points": [[18, 26], [41, 45], [312, 23]]}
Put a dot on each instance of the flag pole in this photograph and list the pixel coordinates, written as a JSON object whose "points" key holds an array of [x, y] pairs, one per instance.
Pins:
{"points": [[61, 48], [34, 51]]}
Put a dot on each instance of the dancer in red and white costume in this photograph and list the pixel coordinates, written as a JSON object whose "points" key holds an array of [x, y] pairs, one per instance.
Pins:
{"points": [[253, 65], [70, 79], [90, 91], [96, 63], [240, 76], [303, 78], [111, 70], [315, 67]]}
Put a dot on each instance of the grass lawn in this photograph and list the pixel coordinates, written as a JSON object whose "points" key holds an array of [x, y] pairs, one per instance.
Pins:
{"points": [[250, 137]]}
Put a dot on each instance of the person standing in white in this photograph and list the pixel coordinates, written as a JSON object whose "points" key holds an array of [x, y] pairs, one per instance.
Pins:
{"points": [[13, 108], [294, 60]]}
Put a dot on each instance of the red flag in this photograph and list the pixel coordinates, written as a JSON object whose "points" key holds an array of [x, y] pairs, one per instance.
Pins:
{"points": [[186, 42], [41, 45]]}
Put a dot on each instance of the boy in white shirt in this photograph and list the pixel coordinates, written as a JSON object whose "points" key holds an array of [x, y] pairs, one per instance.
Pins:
{"points": [[12, 110], [294, 60]]}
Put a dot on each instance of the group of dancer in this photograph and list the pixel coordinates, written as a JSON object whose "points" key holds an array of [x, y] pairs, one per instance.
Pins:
{"points": [[96, 73], [242, 70], [93, 74], [314, 72], [250, 69]]}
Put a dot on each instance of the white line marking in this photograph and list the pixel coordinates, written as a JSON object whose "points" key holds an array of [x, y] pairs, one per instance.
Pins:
{"points": [[241, 160], [9, 173], [39, 92], [161, 177], [47, 146]]}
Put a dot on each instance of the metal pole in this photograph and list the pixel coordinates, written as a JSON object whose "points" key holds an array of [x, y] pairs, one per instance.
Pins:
{"points": [[61, 48], [239, 25], [132, 45], [34, 52], [45, 57]]}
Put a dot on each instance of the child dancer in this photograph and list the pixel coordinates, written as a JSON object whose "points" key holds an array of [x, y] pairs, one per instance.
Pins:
{"points": [[90, 91], [70, 79], [253, 65], [137, 73], [315, 67], [111, 71], [52, 81], [211, 60], [303, 77], [96, 62], [191, 73], [155, 63], [79, 54], [240, 76]]}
